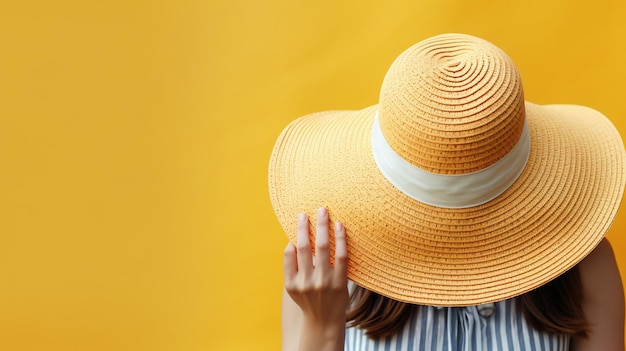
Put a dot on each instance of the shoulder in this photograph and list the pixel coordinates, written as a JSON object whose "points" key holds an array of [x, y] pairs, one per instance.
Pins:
{"points": [[599, 271], [603, 300]]}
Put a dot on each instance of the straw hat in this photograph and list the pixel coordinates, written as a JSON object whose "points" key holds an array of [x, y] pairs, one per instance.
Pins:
{"points": [[453, 190]]}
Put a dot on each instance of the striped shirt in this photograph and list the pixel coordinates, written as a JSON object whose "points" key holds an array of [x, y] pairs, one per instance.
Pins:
{"points": [[499, 328]]}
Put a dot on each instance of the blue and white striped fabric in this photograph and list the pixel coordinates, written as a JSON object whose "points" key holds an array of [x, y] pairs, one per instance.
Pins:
{"points": [[462, 329]]}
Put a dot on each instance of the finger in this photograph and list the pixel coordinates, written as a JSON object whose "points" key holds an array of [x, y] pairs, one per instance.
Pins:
{"points": [[322, 247], [304, 255], [341, 250], [290, 263]]}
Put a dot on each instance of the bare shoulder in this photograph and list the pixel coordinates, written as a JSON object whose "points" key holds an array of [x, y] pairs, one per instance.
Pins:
{"points": [[603, 301], [600, 274]]}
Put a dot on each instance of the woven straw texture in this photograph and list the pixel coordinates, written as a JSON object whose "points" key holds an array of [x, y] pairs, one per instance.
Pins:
{"points": [[453, 104]]}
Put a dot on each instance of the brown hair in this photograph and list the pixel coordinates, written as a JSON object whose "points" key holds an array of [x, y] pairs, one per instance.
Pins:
{"points": [[554, 308]]}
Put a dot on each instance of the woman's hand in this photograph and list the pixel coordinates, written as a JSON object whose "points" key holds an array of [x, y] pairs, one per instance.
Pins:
{"points": [[319, 289]]}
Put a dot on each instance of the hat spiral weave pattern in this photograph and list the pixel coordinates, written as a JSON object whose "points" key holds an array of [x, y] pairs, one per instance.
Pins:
{"points": [[452, 105]]}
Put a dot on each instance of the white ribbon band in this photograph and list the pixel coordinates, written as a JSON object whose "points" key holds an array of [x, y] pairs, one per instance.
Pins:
{"points": [[450, 191]]}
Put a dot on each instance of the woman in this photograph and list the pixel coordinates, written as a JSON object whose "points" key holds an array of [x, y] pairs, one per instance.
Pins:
{"points": [[474, 220], [316, 297]]}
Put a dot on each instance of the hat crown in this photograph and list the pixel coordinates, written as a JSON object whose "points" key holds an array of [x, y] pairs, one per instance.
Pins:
{"points": [[452, 104]]}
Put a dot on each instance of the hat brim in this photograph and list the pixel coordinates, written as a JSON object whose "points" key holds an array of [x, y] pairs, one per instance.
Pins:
{"points": [[555, 214]]}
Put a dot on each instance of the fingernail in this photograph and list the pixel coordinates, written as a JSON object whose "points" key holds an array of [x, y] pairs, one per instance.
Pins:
{"points": [[338, 226], [321, 211], [302, 217], [289, 247]]}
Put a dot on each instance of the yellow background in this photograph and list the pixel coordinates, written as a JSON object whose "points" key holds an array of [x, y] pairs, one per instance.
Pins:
{"points": [[135, 135]]}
